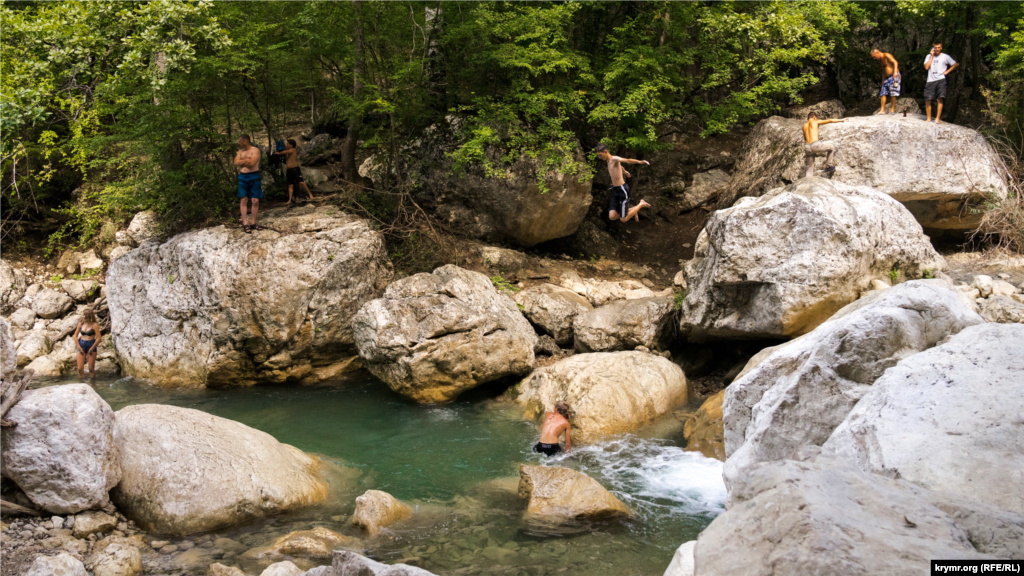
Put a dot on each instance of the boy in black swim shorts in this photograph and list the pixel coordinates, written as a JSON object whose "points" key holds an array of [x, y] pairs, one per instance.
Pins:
{"points": [[293, 172], [618, 203]]}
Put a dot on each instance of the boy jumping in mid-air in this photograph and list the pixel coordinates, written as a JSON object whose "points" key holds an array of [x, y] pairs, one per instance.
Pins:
{"points": [[293, 172], [618, 204]]}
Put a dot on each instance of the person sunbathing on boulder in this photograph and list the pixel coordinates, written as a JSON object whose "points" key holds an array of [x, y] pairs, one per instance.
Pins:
{"points": [[890, 77], [618, 204], [554, 424], [814, 147], [293, 172]]}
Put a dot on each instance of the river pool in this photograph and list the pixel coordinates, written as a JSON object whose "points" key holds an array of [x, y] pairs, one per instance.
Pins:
{"points": [[457, 464]]}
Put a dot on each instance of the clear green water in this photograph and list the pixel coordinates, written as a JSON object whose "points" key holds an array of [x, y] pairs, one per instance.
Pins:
{"points": [[458, 465]]}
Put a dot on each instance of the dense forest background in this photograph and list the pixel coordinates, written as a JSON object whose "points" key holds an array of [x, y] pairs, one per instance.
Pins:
{"points": [[112, 107]]}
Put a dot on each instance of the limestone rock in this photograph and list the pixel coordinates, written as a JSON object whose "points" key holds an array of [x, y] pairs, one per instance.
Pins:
{"points": [[12, 286], [779, 265], [559, 494], [948, 418], [116, 559], [1003, 288], [220, 307], [553, 309], [936, 171], [433, 336], [706, 187], [32, 346], [51, 304], [23, 318], [285, 568], [682, 561], [143, 226], [819, 517], [118, 252], [46, 366], [376, 510], [80, 290], [704, 431], [313, 178], [608, 392], [624, 325], [601, 292], [8, 353], [209, 472], [983, 284], [93, 522], [89, 262], [62, 452], [590, 240], [802, 392], [351, 564], [1002, 309], [825, 110], [318, 542], [218, 569], [62, 564]]}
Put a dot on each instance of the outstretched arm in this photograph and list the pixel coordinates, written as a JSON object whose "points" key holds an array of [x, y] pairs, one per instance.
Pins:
{"points": [[632, 161], [820, 122]]}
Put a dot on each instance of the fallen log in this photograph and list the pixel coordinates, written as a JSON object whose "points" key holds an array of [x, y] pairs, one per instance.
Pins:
{"points": [[7, 508]]}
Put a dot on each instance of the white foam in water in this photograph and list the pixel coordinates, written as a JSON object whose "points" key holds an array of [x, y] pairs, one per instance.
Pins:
{"points": [[654, 478]]}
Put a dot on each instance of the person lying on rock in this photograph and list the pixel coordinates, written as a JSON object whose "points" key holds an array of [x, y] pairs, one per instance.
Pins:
{"points": [[890, 78], [293, 172], [554, 424], [938, 66], [249, 183], [87, 340], [618, 204], [814, 147]]}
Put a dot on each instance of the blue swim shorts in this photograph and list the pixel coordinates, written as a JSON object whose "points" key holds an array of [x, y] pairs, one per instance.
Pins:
{"points": [[891, 86], [250, 186]]}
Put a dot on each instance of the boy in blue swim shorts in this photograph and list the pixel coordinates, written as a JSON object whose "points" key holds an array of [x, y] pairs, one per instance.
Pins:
{"points": [[250, 187], [890, 78]]}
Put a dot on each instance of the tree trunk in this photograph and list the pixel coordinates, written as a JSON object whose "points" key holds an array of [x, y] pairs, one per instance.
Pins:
{"points": [[349, 170], [975, 42]]}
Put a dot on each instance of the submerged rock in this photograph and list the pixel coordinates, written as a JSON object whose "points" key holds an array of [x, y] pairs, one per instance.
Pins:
{"points": [[376, 510], [553, 309], [948, 418], [805, 389], [351, 564], [209, 472], [559, 494], [821, 517], [220, 307], [218, 569], [318, 542], [434, 336], [780, 265], [935, 171], [624, 325], [607, 392], [62, 452]]}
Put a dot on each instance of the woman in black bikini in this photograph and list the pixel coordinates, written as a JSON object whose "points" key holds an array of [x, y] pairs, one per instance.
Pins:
{"points": [[87, 340]]}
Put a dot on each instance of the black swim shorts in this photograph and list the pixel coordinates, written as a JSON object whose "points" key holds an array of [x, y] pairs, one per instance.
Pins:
{"points": [[293, 176], [619, 201], [933, 90], [547, 449]]}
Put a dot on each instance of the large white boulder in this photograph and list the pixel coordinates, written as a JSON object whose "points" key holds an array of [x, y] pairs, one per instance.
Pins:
{"points": [[33, 345], [948, 419], [624, 325], [779, 265], [938, 172], [553, 309], [821, 517], [61, 452], [682, 563], [434, 336], [220, 307], [608, 392], [801, 392], [187, 471]]}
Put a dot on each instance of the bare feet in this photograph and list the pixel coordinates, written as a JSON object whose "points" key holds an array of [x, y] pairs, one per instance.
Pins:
{"points": [[937, 121]]}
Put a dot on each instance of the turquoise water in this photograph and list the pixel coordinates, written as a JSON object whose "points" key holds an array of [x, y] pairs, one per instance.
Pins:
{"points": [[457, 464]]}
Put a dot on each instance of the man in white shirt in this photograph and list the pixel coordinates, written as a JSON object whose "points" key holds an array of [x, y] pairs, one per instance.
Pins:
{"points": [[938, 66]]}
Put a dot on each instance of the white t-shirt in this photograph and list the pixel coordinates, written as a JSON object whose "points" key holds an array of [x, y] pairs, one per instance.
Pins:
{"points": [[940, 64]]}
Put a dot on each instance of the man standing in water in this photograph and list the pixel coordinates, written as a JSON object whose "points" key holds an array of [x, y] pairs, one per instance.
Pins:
{"points": [[814, 147], [618, 204], [249, 185], [938, 66], [554, 424], [890, 77]]}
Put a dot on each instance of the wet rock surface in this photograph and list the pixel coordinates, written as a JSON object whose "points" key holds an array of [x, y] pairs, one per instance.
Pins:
{"points": [[559, 494], [376, 510]]}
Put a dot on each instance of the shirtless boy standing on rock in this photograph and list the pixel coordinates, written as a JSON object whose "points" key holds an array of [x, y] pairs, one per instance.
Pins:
{"points": [[814, 147], [554, 424], [618, 204], [890, 77]]}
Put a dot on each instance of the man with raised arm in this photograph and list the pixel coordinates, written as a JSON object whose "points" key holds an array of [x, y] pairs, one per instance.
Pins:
{"points": [[249, 184], [814, 147], [618, 204], [938, 66], [555, 424], [890, 77]]}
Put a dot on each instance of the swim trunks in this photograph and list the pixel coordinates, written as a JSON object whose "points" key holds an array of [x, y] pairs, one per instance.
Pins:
{"points": [[619, 201], [293, 176], [547, 449], [86, 345], [891, 86], [250, 185], [933, 90]]}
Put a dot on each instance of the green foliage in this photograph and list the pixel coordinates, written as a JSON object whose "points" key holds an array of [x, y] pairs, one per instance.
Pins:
{"points": [[894, 275], [680, 297], [503, 285], [927, 274]]}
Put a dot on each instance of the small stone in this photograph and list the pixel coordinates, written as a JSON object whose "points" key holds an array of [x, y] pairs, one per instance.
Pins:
{"points": [[69, 522], [1003, 276], [57, 522], [122, 526], [168, 549], [93, 522], [158, 544], [186, 545]]}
